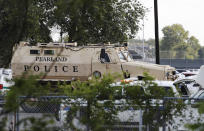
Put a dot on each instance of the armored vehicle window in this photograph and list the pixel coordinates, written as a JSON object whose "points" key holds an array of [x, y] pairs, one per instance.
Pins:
{"points": [[49, 52], [122, 57], [35, 52], [104, 56], [201, 95], [127, 56]]}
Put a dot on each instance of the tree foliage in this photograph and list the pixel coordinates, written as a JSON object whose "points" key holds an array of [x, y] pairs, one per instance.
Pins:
{"points": [[198, 126], [103, 102], [22, 20], [26, 85], [90, 93], [25, 88], [151, 42], [100, 101], [201, 52], [85, 21], [177, 40], [92, 21]]}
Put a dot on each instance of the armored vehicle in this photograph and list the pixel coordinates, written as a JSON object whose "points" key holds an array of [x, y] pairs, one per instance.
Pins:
{"points": [[67, 62]]}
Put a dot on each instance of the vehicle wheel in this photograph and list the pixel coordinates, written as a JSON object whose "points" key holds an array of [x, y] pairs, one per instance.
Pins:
{"points": [[97, 74]]}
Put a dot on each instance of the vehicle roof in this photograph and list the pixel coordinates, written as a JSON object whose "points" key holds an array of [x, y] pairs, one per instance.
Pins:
{"points": [[195, 95], [158, 82], [181, 80], [136, 82], [70, 45]]}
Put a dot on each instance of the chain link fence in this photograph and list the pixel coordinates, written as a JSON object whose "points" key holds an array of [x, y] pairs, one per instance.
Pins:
{"points": [[180, 60], [146, 52], [177, 59], [54, 111], [171, 54]]}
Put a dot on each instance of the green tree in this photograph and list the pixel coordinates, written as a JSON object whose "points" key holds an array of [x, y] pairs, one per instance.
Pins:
{"points": [[92, 21], [26, 86], [200, 125], [193, 47], [201, 52], [150, 42], [96, 114], [85, 21], [173, 35], [22, 20], [102, 109], [100, 100], [176, 40]]}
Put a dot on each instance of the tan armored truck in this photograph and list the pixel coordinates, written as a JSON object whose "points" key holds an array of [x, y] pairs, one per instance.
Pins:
{"points": [[67, 62]]}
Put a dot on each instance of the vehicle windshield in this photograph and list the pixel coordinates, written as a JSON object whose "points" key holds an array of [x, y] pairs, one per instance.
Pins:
{"points": [[127, 56], [7, 72], [124, 56], [196, 94], [201, 95]]}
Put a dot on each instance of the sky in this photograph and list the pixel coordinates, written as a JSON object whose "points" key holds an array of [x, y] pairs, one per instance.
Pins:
{"points": [[188, 13]]}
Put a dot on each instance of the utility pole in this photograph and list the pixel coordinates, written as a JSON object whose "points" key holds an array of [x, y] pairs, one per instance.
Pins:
{"points": [[156, 32], [143, 52]]}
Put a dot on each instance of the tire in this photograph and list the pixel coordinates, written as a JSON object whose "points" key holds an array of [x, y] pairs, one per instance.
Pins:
{"points": [[97, 74]]}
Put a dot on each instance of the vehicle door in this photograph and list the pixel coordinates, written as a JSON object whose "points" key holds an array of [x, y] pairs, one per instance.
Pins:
{"points": [[105, 61]]}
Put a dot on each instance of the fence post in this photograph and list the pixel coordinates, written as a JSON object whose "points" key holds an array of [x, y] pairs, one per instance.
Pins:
{"points": [[164, 120], [17, 116], [140, 122], [148, 122]]}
